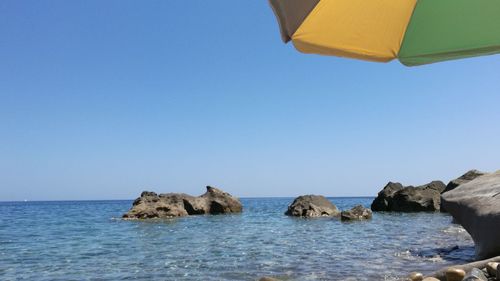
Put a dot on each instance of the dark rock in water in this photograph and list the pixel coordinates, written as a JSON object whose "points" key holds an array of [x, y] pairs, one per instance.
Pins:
{"points": [[425, 198], [312, 206], [357, 213], [394, 197], [476, 206], [383, 202], [465, 178], [169, 205], [475, 275]]}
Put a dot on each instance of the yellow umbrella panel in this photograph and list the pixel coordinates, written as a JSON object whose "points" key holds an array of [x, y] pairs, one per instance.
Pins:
{"points": [[416, 32], [363, 29]]}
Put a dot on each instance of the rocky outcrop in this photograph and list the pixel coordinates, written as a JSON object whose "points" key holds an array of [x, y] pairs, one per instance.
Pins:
{"points": [[394, 197], [476, 206], [214, 201], [312, 206], [424, 198], [465, 178], [383, 202], [357, 213]]}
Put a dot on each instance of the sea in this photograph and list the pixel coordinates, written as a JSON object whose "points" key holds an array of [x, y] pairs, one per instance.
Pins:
{"points": [[88, 240]]}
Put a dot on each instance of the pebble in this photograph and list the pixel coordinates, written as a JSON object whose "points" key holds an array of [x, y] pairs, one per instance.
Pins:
{"points": [[454, 274], [430, 279], [416, 276], [492, 267], [475, 275]]}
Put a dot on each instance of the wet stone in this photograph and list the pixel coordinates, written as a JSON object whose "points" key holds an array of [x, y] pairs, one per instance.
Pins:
{"points": [[491, 268], [475, 275], [416, 276], [454, 274]]}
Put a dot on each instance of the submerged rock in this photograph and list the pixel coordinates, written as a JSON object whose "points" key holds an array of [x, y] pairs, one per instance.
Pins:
{"points": [[394, 197], [476, 206], [357, 213], [268, 279], [312, 206], [169, 205]]}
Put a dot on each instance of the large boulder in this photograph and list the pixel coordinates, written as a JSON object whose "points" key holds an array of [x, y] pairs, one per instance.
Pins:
{"points": [[355, 214], [424, 198], [465, 178], [312, 206], [169, 205], [383, 202], [476, 206], [396, 198]]}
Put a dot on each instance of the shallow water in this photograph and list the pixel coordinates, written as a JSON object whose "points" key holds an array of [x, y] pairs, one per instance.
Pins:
{"points": [[84, 240]]}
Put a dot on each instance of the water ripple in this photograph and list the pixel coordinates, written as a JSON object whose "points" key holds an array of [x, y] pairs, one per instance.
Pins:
{"points": [[85, 241]]}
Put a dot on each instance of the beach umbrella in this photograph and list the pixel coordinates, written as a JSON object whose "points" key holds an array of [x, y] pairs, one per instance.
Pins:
{"points": [[414, 31]]}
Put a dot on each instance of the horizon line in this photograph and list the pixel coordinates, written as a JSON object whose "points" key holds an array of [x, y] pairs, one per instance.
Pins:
{"points": [[104, 200]]}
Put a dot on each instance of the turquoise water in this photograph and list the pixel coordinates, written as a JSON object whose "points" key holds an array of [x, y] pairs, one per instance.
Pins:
{"points": [[86, 240]]}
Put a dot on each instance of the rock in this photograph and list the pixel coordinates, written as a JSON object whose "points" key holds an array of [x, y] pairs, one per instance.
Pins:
{"points": [[430, 279], [169, 205], [268, 279], [454, 274], [424, 198], [492, 267], [312, 206], [357, 213], [383, 202], [441, 274], [439, 186], [465, 178], [394, 197], [416, 276], [475, 275], [498, 273], [476, 206]]}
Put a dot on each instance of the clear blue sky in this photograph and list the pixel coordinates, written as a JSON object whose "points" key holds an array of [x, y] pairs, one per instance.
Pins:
{"points": [[103, 99]]}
